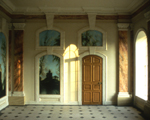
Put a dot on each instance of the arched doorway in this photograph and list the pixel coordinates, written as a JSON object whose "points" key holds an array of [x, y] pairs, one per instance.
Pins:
{"points": [[92, 80]]}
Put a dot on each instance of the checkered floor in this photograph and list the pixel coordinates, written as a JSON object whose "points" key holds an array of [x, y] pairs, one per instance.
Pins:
{"points": [[70, 113]]}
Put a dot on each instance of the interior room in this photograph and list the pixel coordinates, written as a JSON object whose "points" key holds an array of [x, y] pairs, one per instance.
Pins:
{"points": [[75, 53]]}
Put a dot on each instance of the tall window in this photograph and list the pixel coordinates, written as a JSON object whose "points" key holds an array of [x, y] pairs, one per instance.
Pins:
{"points": [[141, 58]]}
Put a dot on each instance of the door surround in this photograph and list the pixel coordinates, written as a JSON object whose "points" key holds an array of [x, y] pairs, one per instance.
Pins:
{"points": [[103, 78]]}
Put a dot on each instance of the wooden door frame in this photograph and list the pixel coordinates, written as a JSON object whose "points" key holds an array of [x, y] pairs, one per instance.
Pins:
{"points": [[103, 78]]}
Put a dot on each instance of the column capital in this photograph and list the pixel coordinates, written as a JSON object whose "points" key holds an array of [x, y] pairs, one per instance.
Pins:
{"points": [[17, 26], [123, 26], [147, 15]]}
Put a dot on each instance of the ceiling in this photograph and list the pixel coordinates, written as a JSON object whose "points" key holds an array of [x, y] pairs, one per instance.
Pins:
{"points": [[65, 7]]}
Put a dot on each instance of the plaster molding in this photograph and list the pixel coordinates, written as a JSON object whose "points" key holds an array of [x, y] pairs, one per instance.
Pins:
{"points": [[147, 15], [49, 20], [123, 26], [18, 26], [92, 19]]}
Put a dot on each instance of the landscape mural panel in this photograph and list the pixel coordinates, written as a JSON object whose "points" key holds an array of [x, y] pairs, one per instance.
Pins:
{"points": [[49, 74], [49, 38], [2, 65], [92, 38]]}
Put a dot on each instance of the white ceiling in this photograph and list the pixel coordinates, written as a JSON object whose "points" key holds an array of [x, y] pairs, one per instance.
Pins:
{"points": [[72, 6]]}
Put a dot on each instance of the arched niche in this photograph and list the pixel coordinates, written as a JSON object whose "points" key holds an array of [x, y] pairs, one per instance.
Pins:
{"points": [[49, 97]]}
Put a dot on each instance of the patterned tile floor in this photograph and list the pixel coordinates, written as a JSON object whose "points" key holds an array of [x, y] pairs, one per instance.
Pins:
{"points": [[69, 113]]}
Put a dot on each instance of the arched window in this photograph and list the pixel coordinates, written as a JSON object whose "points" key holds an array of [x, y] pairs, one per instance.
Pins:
{"points": [[49, 74], [141, 65]]}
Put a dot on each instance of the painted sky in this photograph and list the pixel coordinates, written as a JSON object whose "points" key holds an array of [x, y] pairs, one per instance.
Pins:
{"points": [[48, 35], [2, 37], [49, 64], [96, 35]]}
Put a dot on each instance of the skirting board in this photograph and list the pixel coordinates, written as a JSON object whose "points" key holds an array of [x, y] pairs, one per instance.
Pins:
{"points": [[124, 99]]}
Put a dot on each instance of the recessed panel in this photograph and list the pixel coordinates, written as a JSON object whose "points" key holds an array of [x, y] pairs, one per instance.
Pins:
{"points": [[96, 72], [87, 87], [87, 73], [87, 96], [87, 60], [96, 60], [96, 86], [96, 97]]}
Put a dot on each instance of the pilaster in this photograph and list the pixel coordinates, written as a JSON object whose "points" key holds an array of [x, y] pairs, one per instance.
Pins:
{"points": [[16, 92], [124, 98]]}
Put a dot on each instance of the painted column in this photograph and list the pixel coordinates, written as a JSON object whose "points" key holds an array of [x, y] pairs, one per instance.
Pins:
{"points": [[147, 105], [123, 96], [16, 64]]}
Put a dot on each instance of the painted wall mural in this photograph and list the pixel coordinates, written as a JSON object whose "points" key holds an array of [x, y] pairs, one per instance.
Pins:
{"points": [[2, 65], [49, 38], [49, 74], [92, 38]]}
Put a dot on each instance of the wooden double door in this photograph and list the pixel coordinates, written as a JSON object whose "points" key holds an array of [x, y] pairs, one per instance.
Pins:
{"points": [[92, 80]]}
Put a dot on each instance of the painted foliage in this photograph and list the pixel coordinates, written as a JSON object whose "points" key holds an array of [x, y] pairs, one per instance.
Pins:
{"points": [[92, 38], [2, 65], [49, 74], [49, 38]]}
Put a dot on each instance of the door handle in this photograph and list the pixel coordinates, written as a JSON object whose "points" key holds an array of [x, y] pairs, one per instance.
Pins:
{"points": [[99, 82]]}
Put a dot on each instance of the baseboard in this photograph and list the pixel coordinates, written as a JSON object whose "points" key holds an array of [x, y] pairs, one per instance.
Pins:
{"points": [[124, 99]]}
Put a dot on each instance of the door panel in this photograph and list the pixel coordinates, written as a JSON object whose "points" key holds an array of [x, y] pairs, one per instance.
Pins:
{"points": [[92, 80], [96, 70], [87, 73]]}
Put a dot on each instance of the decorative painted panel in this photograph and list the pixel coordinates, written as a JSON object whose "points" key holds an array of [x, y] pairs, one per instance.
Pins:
{"points": [[18, 60], [123, 61], [49, 38], [92, 38], [2, 65], [49, 74]]}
